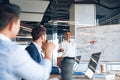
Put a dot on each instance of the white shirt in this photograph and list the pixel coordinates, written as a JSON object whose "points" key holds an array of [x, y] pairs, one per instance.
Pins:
{"points": [[39, 49], [69, 49], [15, 63]]}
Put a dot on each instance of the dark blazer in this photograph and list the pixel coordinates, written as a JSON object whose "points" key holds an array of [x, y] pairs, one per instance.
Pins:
{"points": [[34, 53], [32, 50]]}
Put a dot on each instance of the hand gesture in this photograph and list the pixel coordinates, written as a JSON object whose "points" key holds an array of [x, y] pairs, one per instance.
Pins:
{"points": [[93, 42], [48, 48]]}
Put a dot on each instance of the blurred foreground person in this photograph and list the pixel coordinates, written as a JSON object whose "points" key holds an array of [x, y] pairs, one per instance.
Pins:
{"points": [[15, 62]]}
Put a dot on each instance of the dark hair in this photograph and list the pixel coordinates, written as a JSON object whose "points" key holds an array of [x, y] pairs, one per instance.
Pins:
{"points": [[37, 32], [8, 12], [67, 32]]}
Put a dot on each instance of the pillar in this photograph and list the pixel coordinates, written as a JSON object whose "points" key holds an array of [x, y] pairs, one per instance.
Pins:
{"points": [[82, 15]]}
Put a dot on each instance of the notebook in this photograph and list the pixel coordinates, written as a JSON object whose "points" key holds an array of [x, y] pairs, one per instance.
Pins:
{"points": [[89, 73]]}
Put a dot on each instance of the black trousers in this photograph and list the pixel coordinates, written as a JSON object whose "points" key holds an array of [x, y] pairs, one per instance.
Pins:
{"points": [[67, 68]]}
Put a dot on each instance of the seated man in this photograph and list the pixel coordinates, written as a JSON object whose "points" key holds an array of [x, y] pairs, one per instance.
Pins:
{"points": [[35, 48]]}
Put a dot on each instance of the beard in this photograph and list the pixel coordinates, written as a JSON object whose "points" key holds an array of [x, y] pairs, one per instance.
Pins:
{"points": [[44, 42]]}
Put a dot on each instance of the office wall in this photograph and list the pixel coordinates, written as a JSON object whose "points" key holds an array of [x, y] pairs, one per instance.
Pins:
{"points": [[108, 42]]}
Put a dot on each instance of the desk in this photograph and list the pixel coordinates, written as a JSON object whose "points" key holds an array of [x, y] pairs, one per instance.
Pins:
{"points": [[54, 77], [77, 77], [100, 76], [57, 77]]}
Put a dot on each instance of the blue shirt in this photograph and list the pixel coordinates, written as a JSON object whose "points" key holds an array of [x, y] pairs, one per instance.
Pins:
{"points": [[15, 63]]}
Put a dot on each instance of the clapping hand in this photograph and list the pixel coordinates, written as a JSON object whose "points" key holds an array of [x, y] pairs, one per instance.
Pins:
{"points": [[93, 42], [48, 48]]}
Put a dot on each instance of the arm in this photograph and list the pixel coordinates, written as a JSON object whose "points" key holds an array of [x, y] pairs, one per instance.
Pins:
{"points": [[86, 44], [23, 66], [61, 48]]}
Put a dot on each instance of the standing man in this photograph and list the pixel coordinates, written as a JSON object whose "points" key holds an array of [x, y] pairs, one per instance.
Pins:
{"points": [[68, 53], [68, 56], [15, 62], [67, 47]]}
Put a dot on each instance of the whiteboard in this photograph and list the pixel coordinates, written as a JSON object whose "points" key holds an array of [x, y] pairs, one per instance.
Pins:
{"points": [[108, 42]]}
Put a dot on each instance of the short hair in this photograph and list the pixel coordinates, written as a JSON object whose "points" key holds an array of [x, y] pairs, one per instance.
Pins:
{"points": [[67, 32], [37, 32], [8, 12]]}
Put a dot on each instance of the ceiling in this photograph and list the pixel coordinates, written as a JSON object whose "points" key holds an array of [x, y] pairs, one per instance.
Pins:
{"points": [[45, 12], [51, 10], [59, 9]]}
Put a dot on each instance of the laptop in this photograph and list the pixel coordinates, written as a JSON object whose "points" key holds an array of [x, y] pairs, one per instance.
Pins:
{"points": [[77, 59], [76, 63], [92, 65]]}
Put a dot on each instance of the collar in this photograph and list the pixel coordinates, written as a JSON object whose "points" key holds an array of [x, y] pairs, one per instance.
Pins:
{"points": [[38, 47], [4, 38], [67, 41]]}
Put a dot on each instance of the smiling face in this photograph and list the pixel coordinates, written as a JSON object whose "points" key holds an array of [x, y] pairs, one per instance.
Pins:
{"points": [[68, 36]]}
